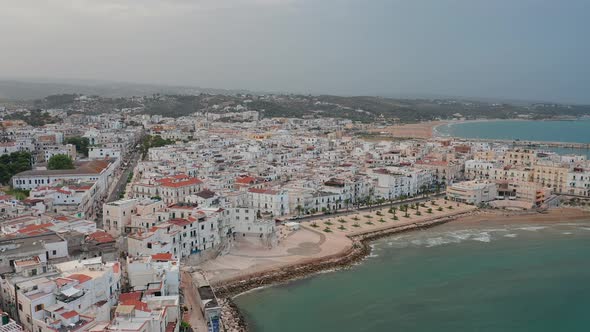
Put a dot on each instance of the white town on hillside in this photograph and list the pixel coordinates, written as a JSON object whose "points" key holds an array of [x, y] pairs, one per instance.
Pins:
{"points": [[104, 246]]}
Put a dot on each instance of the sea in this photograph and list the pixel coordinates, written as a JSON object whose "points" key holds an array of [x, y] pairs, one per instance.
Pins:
{"points": [[455, 277], [449, 278]]}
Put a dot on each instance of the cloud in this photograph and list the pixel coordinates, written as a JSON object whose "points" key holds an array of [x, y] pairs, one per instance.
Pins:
{"points": [[127, 8]]}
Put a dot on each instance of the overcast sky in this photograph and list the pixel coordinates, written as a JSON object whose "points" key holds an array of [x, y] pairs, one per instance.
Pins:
{"points": [[522, 49]]}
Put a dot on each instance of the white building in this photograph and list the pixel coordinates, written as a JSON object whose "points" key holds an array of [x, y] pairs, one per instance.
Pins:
{"points": [[117, 215], [472, 192]]}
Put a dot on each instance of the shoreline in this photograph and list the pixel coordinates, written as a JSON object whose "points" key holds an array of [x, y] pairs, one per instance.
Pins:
{"points": [[233, 320]]}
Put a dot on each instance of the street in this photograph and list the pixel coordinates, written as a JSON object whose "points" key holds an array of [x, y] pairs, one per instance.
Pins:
{"points": [[192, 301]]}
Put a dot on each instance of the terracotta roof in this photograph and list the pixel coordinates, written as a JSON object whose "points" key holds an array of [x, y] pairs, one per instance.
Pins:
{"points": [[62, 281], [206, 193], [180, 222], [70, 314], [181, 183], [82, 278], [127, 297], [134, 299], [246, 180], [101, 237], [32, 228], [162, 257]]}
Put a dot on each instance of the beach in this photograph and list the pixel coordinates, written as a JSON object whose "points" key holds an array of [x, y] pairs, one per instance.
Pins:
{"points": [[422, 130], [310, 250]]}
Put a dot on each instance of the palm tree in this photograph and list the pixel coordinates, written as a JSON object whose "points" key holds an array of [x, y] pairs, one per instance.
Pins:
{"points": [[423, 190], [299, 209], [347, 203]]}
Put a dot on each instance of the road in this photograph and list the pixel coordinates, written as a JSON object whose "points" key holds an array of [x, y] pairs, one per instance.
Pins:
{"points": [[122, 182], [345, 212], [118, 188], [192, 300]]}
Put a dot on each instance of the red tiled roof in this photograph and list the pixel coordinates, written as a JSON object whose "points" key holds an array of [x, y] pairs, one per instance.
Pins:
{"points": [[134, 299], [246, 180], [124, 298], [101, 237], [82, 278], [180, 222], [162, 257], [69, 314], [32, 228], [182, 183], [62, 281]]}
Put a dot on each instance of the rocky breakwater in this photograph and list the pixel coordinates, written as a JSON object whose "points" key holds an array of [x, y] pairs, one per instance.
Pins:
{"points": [[233, 319]]}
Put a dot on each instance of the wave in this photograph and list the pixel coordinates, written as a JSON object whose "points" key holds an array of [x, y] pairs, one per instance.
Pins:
{"points": [[483, 237], [532, 228], [510, 235]]}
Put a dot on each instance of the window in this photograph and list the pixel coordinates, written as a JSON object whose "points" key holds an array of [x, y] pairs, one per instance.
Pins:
{"points": [[202, 227], [39, 307], [54, 252], [20, 306]]}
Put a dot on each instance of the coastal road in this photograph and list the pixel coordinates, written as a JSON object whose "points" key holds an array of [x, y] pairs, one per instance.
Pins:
{"points": [[367, 208], [192, 300]]}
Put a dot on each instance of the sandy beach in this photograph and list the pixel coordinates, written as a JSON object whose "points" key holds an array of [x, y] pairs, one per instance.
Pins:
{"points": [[314, 249], [553, 216], [422, 130]]}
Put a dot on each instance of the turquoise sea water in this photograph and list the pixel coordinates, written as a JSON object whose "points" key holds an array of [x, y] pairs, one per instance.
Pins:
{"points": [[500, 278], [494, 278], [554, 131]]}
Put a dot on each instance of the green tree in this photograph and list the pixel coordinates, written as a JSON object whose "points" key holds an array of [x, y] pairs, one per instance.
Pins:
{"points": [[60, 161], [11, 164], [81, 144]]}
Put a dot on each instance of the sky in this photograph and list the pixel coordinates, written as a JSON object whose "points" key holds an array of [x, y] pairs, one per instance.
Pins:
{"points": [[513, 49]]}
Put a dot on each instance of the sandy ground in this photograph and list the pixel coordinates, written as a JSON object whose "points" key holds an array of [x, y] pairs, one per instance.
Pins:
{"points": [[329, 236], [248, 256], [317, 239], [502, 217], [379, 219], [415, 130]]}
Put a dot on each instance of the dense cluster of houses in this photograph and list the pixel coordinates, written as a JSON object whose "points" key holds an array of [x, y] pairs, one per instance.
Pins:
{"points": [[70, 261]]}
